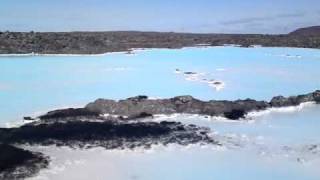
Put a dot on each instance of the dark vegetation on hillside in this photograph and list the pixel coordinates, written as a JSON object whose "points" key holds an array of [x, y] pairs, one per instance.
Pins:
{"points": [[102, 42]]}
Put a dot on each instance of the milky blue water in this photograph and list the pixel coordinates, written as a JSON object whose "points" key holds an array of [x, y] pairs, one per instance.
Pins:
{"points": [[36, 84], [271, 146]]}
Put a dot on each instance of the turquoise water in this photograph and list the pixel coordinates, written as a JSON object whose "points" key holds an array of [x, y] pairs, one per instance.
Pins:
{"points": [[35, 84], [280, 126], [274, 145]]}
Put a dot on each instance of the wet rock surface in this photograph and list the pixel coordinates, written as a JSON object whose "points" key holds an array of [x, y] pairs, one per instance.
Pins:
{"points": [[181, 104], [135, 106], [71, 112], [280, 101], [16, 163], [142, 107], [110, 134], [88, 132]]}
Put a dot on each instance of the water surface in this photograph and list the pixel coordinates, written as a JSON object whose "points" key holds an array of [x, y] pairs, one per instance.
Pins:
{"points": [[275, 145], [35, 84]]}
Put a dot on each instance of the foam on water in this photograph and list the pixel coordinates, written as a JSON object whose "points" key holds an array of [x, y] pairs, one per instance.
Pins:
{"points": [[172, 162], [276, 124], [202, 77], [268, 130], [300, 107]]}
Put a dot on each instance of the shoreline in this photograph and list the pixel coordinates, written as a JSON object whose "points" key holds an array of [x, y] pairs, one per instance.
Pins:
{"points": [[19, 121], [247, 115], [141, 107], [101, 42], [248, 118], [85, 128], [160, 117], [133, 51]]}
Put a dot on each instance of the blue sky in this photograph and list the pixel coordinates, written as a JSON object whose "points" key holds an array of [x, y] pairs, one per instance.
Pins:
{"points": [[204, 16]]}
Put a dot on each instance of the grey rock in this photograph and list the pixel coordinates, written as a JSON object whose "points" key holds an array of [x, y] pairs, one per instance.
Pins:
{"points": [[140, 106]]}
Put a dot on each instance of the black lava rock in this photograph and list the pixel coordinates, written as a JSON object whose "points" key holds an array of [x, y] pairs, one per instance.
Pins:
{"points": [[16, 163]]}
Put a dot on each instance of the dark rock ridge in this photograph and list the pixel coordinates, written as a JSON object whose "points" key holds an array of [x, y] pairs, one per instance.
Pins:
{"points": [[108, 134], [181, 104], [79, 128], [16, 163], [71, 112], [280, 101], [141, 106], [102, 42]]}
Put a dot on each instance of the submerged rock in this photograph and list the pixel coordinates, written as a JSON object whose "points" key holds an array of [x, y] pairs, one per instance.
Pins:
{"points": [[16, 163], [235, 114], [142, 115]]}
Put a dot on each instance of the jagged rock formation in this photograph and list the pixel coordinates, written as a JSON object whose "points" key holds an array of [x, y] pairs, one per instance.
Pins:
{"points": [[181, 104], [141, 105], [16, 163], [280, 101]]}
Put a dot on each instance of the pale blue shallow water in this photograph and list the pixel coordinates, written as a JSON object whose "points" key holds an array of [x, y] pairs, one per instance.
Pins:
{"points": [[295, 126], [35, 84], [38, 83], [173, 164]]}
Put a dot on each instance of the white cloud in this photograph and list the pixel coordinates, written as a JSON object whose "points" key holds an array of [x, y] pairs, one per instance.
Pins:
{"points": [[262, 18]]}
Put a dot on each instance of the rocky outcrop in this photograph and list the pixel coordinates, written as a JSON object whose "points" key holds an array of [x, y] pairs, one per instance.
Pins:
{"points": [[181, 104], [109, 134], [280, 101], [16, 163], [143, 107], [87, 127], [82, 128], [71, 112]]}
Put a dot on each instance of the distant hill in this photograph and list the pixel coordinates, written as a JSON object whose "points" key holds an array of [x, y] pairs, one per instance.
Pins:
{"points": [[308, 31], [116, 41]]}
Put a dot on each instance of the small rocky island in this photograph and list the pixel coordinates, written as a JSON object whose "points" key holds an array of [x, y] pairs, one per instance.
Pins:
{"points": [[122, 124], [142, 106]]}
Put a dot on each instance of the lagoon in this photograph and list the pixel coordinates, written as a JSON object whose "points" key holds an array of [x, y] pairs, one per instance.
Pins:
{"points": [[32, 85], [277, 144]]}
